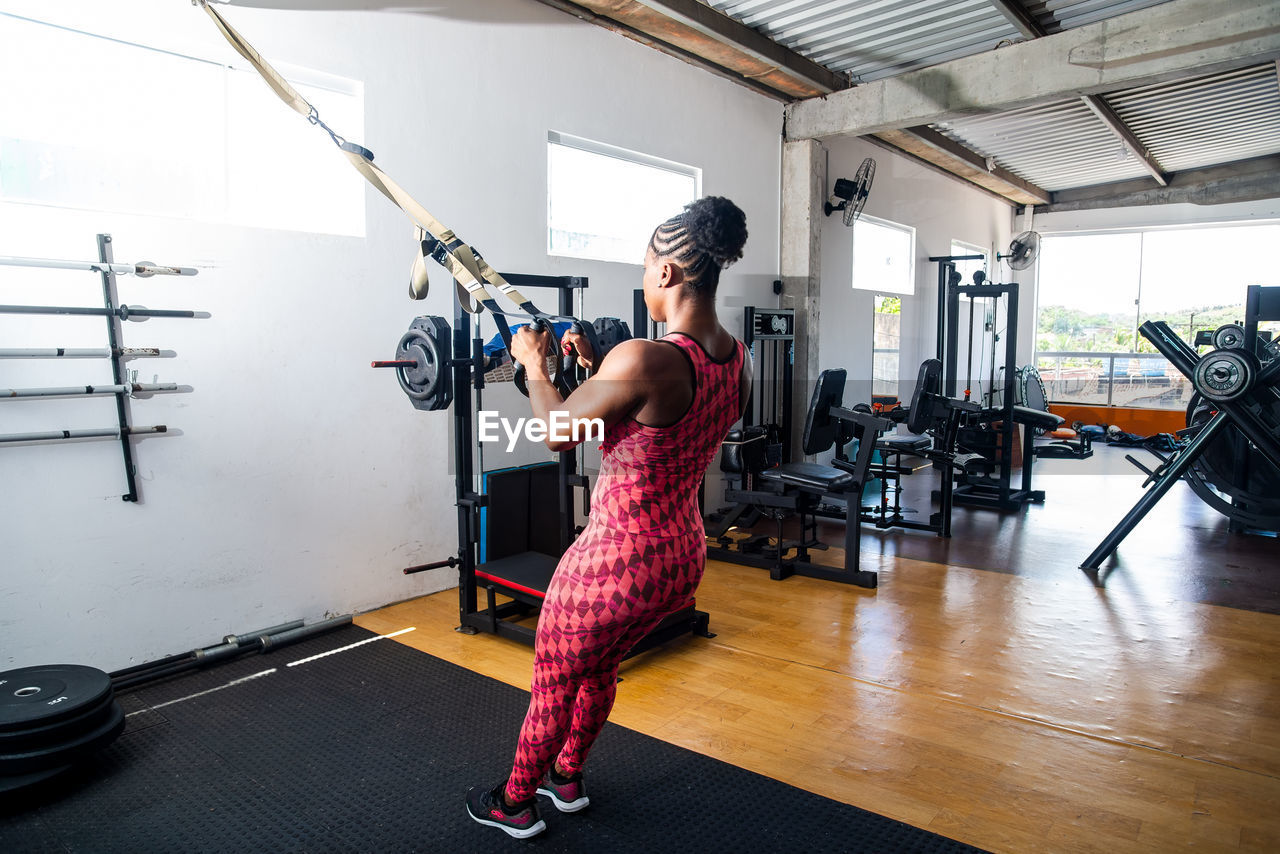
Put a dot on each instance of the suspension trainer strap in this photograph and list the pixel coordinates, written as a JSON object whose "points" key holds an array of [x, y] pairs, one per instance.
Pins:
{"points": [[470, 271]]}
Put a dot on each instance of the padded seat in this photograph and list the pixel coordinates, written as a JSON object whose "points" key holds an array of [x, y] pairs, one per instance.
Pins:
{"points": [[1036, 418], [905, 444], [964, 461], [810, 476]]}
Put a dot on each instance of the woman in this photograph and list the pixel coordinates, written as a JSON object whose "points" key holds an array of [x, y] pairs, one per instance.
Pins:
{"points": [[666, 406]]}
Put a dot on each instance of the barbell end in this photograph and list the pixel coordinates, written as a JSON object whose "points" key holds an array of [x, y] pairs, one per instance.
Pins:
{"points": [[394, 363]]}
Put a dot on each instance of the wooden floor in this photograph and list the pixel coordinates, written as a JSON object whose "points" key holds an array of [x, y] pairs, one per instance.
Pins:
{"points": [[1009, 713], [1014, 712]]}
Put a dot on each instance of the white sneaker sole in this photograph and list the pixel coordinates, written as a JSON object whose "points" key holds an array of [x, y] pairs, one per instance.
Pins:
{"points": [[518, 833], [565, 806]]}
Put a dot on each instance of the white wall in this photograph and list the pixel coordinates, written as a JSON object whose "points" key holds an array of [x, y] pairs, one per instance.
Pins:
{"points": [[296, 482], [940, 209]]}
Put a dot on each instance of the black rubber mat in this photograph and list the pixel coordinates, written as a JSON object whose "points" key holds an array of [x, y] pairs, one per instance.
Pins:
{"points": [[372, 748]]}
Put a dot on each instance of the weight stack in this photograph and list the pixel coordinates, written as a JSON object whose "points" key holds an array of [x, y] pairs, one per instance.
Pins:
{"points": [[52, 717]]}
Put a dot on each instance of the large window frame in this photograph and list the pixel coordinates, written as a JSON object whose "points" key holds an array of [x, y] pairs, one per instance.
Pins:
{"points": [[1093, 354], [169, 134], [603, 201]]}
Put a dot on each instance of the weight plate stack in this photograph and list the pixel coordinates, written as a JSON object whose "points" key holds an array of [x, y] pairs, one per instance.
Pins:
{"points": [[51, 717], [429, 383]]}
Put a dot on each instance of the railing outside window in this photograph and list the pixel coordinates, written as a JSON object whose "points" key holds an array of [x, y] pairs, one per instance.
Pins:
{"points": [[1138, 380]]}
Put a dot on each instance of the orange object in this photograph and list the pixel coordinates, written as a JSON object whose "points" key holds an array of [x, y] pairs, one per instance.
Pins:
{"points": [[1142, 422]]}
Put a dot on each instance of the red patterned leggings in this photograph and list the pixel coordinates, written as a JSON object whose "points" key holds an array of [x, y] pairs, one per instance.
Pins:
{"points": [[609, 591]]}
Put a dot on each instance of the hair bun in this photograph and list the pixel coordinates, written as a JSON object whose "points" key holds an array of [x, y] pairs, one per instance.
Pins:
{"points": [[718, 227]]}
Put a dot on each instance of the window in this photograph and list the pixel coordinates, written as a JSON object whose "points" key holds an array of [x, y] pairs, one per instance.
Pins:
{"points": [[603, 202], [1095, 290], [886, 340], [110, 125], [883, 256], [966, 269]]}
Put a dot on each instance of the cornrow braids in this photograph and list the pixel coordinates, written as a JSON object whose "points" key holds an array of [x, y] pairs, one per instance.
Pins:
{"points": [[707, 236]]}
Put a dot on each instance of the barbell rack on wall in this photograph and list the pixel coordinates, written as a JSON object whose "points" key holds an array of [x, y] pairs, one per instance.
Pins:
{"points": [[76, 352], [114, 312]]}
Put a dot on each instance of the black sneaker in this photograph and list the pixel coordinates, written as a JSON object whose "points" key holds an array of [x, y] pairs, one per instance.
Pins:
{"points": [[488, 807], [567, 793]]}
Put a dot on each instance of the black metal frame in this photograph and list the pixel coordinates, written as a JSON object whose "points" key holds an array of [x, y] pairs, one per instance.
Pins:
{"points": [[119, 374], [1244, 413], [774, 358], [792, 495], [980, 490]]}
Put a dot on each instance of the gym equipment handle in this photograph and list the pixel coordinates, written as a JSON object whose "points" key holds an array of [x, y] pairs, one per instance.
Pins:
{"points": [[410, 570]]}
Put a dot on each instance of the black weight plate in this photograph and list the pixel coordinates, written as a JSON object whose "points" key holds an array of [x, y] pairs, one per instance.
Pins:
{"points": [[20, 781], [1224, 375], [424, 374], [414, 345], [66, 752], [31, 738], [1257, 481], [34, 696], [1228, 336]]}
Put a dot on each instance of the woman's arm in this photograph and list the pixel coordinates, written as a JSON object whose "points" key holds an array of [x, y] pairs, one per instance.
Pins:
{"points": [[622, 385]]}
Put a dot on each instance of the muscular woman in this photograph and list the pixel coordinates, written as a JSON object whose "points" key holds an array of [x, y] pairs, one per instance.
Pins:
{"points": [[666, 406]]}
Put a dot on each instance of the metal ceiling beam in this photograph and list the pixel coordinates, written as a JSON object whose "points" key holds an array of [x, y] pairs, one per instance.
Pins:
{"points": [[705, 64], [716, 24], [1112, 120], [1244, 181], [931, 146], [1152, 45], [1017, 15], [693, 29]]}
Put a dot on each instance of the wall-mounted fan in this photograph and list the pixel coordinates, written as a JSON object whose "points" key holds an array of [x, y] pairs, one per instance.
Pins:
{"points": [[1023, 250], [852, 193]]}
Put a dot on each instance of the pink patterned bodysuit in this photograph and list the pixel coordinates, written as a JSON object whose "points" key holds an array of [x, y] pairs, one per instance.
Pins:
{"points": [[638, 560]]}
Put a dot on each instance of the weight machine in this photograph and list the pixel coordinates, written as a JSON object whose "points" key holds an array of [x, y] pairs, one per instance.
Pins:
{"points": [[1230, 451], [769, 335], [993, 432], [797, 490], [434, 380]]}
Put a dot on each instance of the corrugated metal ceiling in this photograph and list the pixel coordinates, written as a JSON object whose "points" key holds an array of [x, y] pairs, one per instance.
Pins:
{"points": [[1054, 146], [870, 39], [1185, 124], [1192, 123], [1058, 15]]}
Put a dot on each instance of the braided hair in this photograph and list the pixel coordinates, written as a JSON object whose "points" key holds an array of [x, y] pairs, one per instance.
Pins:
{"points": [[707, 236]]}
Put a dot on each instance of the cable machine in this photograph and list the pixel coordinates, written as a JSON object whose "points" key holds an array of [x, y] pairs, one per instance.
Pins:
{"points": [[521, 578], [992, 432]]}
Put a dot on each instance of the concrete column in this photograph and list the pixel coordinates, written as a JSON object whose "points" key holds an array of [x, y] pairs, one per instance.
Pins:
{"points": [[801, 260]]}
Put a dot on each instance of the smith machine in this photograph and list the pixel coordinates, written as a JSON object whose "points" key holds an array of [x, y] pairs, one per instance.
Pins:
{"points": [[510, 556]]}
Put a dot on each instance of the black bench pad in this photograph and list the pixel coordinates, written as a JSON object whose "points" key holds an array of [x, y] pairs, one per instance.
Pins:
{"points": [[811, 475]]}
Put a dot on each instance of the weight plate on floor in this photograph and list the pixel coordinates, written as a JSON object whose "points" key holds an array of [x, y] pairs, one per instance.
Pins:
{"points": [[20, 781], [36, 737], [36, 696], [64, 753]]}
